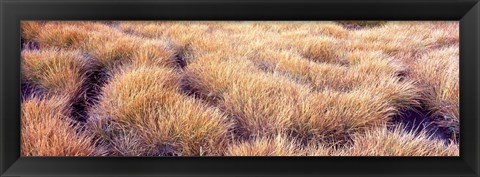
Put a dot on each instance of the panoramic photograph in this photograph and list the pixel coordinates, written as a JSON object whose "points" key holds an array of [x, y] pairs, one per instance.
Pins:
{"points": [[240, 88]]}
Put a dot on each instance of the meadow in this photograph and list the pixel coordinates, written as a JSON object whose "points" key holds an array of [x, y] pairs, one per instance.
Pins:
{"points": [[238, 88]]}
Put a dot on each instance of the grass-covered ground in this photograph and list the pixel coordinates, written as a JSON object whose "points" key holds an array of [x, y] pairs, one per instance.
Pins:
{"points": [[240, 88]]}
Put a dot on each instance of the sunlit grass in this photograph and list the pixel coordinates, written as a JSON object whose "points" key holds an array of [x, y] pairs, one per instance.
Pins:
{"points": [[164, 88]]}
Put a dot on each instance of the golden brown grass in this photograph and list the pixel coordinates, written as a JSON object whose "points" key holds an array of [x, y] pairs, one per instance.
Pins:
{"points": [[276, 146], [382, 141], [144, 102], [30, 30], [261, 104], [319, 49], [394, 141], [107, 47], [264, 103], [397, 142], [251, 88], [46, 131], [54, 70], [438, 70]]}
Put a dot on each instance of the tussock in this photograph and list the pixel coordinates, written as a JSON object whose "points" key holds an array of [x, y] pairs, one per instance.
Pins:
{"points": [[438, 71], [47, 131], [261, 104], [319, 49], [140, 110], [56, 71], [397, 142]]}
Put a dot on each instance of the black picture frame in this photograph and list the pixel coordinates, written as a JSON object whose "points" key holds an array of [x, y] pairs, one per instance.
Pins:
{"points": [[14, 11]]}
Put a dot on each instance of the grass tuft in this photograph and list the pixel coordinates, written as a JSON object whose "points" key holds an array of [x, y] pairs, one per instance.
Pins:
{"points": [[56, 71], [47, 131], [139, 110], [398, 142]]}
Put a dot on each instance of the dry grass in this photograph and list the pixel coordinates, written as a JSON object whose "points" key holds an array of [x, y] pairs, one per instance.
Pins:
{"points": [[276, 146], [46, 131], [375, 142], [261, 104], [394, 141], [397, 142], [107, 47], [144, 102], [438, 70], [56, 72], [30, 30], [250, 88]]}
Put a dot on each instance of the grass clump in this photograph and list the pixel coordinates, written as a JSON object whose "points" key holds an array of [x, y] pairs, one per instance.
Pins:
{"points": [[438, 71], [321, 49], [398, 142], [143, 102], [47, 131], [331, 114], [61, 36], [261, 104], [56, 71]]}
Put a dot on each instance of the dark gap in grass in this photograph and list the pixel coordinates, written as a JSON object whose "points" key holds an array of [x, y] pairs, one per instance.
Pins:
{"points": [[96, 77], [269, 68], [180, 61], [358, 25], [334, 139], [113, 24], [29, 45], [132, 32], [351, 26], [446, 43], [180, 56], [264, 66], [187, 89], [402, 75], [168, 151], [29, 89], [418, 53], [419, 119], [238, 133], [126, 31], [450, 125]]}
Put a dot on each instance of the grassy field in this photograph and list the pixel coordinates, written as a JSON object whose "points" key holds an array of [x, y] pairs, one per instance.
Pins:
{"points": [[240, 88]]}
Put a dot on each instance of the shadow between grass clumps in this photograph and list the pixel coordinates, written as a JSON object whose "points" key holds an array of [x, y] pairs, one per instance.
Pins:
{"points": [[358, 25], [29, 89], [181, 56], [168, 151], [419, 119], [95, 78], [31, 45]]}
